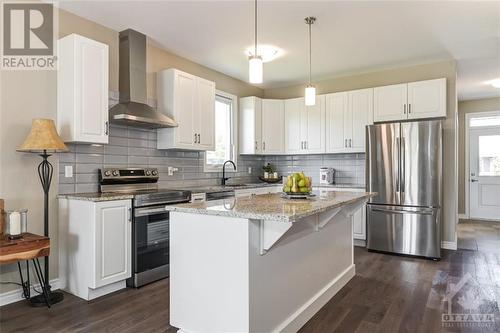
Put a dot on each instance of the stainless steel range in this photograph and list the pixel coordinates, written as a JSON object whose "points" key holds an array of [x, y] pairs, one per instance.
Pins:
{"points": [[150, 223]]}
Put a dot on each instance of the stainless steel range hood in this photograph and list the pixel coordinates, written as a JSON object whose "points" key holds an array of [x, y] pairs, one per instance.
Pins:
{"points": [[132, 109]]}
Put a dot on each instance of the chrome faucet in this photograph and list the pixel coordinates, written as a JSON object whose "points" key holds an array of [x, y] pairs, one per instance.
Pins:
{"points": [[224, 178]]}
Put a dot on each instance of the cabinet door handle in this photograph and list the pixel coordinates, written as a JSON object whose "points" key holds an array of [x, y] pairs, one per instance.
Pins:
{"points": [[195, 138], [404, 109], [345, 143], [256, 145], [301, 144], [409, 108], [106, 128], [130, 214], [306, 144], [350, 143], [263, 145], [199, 138]]}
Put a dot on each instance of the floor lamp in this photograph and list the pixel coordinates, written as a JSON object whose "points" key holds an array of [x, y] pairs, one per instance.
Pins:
{"points": [[44, 140]]}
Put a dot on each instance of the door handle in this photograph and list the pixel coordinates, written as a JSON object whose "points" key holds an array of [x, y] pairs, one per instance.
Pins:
{"points": [[403, 167], [474, 180], [345, 143], [195, 137], [398, 176], [263, 145], [409, 108], [301, 144], [130, 214], [404, 109], [350, 143], [306, 144], [256, 145], [106, 128]]}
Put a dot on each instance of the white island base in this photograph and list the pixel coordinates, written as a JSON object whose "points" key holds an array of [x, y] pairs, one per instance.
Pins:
{"points": [[233, 274]]}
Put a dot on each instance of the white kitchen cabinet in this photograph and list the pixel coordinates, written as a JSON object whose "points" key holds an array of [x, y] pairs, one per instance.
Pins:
{"points": [[82, 90], [95, 246], [250, 127], [190, 101], [414, 100], [273, 123], [347, 115], [427, 99], [305, 126]]}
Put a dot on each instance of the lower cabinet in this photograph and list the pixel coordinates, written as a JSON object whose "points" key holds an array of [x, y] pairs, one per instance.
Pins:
{"points": [[95, 246]]}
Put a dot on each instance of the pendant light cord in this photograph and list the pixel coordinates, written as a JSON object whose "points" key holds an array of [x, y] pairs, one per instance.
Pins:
{"points": [[255, 11]]}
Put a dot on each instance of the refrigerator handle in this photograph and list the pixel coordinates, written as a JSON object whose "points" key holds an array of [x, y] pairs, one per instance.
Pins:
{"points": [[399, 165], [403, 169]]}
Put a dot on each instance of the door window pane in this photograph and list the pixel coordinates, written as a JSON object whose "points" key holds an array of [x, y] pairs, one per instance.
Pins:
{"points": [[485, 121], [223, 133], [489, 155]]}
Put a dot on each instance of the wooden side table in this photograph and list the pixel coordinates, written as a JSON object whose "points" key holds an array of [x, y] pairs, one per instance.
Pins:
{"points": [[29, 247]]}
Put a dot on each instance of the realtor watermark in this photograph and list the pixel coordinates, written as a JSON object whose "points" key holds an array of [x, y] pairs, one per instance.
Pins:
{"points": [[472, 309], [29, 31]]}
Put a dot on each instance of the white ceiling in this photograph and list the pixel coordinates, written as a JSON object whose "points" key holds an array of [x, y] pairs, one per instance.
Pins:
{"points": [[348, 37]]}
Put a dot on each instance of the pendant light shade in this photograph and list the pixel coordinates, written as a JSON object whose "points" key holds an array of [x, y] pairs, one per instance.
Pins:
{"points": [[310, 92], [255, 63], [310, 95], [255, 69]]}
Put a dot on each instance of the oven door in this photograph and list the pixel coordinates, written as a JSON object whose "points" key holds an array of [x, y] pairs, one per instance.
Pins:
{"points": [[151, 238]]}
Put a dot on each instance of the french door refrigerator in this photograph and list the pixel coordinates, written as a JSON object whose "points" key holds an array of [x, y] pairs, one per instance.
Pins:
{"points": [[404, 165]]}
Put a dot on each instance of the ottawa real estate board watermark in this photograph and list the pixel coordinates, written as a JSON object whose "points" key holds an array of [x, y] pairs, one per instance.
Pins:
{"points": [[28, 36]]}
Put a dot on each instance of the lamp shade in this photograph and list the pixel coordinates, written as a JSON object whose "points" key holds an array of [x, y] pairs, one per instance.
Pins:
{"points": [[43, 137], [310, 95], [255, 70]]}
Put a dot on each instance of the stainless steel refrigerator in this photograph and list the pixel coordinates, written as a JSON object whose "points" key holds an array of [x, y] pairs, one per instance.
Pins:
{"points": [[404, 165]]}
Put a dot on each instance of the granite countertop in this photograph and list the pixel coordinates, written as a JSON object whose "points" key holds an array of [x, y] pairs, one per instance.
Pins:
{"points": [[272, 206], [229, 187], [96, 196]]}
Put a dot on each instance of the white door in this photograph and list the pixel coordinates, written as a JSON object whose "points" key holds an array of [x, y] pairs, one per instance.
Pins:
{"points": [[295, 129], [389, 102], [336, 108], [273, 123], [361, 109], [427, 99], [91, 84], [113, 242], [315, 126], [184, 109], [205, 127], [484, 168]]}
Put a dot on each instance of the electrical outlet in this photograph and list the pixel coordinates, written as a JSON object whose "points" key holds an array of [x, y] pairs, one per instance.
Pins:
{"points": [[68, 171], [249, 170], [171, 170]]}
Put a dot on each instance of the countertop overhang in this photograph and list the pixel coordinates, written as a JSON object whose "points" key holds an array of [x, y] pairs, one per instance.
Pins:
{"points": [[272, 207]]}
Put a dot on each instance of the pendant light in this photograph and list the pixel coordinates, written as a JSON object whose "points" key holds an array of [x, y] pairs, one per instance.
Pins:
{"points": [[310, 93], [255, 64]]}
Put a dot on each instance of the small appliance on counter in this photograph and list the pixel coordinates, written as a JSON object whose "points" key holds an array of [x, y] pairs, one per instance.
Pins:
{"points": [[326, 175]]}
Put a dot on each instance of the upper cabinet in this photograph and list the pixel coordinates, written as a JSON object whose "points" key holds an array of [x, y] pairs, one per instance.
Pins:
{"points": [[347, 114], [304, 126], [190, 101], [250, 128], [415, 100], [82, 90], [273, 121]]}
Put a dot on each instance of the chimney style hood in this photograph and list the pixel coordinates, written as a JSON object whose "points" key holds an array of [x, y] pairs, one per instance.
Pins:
{"points": [[132, 109]]}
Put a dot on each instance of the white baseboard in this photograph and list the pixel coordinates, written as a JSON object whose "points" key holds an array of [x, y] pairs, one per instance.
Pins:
{"points": [[17, 294], [462, 216], [309, 309], [448, 245]]}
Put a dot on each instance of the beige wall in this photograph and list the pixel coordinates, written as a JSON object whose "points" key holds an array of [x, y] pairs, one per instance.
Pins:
{"points": [[33, 94], [464, 107], [445, 69]]}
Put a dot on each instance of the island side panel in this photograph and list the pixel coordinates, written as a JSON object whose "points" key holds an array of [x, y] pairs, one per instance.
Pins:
{"points": [[209, 273], [300, 273]]}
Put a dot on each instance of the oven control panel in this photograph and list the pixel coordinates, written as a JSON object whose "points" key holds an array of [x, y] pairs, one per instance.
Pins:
{"points": [[130, 174]]}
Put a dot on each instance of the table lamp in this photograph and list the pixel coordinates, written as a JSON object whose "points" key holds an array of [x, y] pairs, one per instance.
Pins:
{"points": [[43, 140]]}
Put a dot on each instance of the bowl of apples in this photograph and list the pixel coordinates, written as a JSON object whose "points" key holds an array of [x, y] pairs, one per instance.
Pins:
{"points": [[297, 185]]}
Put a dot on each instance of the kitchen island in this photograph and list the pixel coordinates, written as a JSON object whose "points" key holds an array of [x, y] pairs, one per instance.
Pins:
{"points": [[260, 263]]}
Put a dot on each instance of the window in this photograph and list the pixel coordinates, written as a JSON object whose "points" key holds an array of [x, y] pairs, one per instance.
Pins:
{"points": [[485, 121], [225, 120], [489, 155]]}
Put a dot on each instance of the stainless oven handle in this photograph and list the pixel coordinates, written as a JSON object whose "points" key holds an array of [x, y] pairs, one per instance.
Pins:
{"points": [[148, 211], [394, 211]]}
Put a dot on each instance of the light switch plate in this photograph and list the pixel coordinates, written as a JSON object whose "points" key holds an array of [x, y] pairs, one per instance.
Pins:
{"points": [[249, 170], [68, 171]]}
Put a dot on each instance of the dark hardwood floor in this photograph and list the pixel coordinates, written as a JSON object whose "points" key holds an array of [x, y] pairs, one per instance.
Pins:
{"points": [[388, 294]]}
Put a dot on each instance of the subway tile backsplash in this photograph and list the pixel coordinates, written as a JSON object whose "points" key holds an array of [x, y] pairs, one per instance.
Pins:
{"points": [[134, 147], [349, 168]]}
